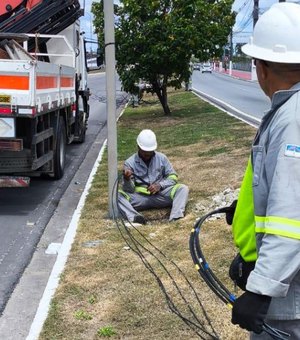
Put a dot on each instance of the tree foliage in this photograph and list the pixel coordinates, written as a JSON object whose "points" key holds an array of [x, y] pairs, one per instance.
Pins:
{"points": [[155, 39]]}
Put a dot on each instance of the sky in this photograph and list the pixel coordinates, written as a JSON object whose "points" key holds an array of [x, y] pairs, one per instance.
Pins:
{"points": [[242, 29], [86, 21]]}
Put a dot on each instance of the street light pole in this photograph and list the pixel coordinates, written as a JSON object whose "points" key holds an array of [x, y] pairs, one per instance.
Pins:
{"points": [[109, 35]]}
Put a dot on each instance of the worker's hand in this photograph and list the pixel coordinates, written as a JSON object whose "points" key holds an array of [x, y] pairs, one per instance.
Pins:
{"points": [[154, 188], [230, 212], [249, 311], [240, 270], [127, 173]]}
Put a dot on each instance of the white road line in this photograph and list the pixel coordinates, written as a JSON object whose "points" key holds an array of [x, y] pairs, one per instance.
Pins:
{"points": [[211, 100]]}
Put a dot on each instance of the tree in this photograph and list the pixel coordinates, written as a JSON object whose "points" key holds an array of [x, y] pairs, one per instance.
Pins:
{"points": [[155, 39]]}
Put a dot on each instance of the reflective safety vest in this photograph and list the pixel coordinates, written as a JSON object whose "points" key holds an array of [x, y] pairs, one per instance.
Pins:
{"points": [[143, 190], [243, 225]]}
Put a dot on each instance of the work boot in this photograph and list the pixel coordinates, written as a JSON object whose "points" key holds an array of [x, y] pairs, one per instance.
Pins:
{"points": [[139, 219]]}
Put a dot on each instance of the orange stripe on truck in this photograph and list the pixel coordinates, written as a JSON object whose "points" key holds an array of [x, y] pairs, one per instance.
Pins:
{"points": [[46, 82], [66, 82], [14, 82], [42, 82]]}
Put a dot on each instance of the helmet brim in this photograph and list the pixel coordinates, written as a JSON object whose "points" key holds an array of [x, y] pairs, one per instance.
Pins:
{"points": [[144, 148], [272, 56]]}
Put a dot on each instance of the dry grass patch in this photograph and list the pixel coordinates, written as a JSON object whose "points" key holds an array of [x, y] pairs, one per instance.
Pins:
{"points": [[106, 287]]}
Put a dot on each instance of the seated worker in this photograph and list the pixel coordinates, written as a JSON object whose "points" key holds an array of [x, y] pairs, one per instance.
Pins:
{"points": [[149, 181]]}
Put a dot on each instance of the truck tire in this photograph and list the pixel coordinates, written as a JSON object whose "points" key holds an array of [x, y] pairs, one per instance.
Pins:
{"points": [[82, 128], [59, 157]]}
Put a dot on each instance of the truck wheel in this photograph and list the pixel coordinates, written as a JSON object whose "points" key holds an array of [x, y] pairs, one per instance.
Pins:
{"points": [[82, 128], [59, 157]]}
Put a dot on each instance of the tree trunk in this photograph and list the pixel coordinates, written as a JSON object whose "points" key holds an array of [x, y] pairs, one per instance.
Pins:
{"points": [[161, 92], [165, 101]]}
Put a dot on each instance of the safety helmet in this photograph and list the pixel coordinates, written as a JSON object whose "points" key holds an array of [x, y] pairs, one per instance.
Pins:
{"points": [[276, 35], [146, 140]]}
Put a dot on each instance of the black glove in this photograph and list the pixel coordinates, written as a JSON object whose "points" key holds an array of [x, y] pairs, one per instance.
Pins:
{"points": [[230, 212], [240, 270], [250, 310]]}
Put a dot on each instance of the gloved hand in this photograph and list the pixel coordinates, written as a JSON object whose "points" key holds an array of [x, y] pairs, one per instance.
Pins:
{"points": [[250, 310], [240, 270], [230, 212]]}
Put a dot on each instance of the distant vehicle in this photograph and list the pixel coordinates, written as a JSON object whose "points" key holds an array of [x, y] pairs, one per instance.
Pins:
{"points": [[196, 67], [206, 67]]}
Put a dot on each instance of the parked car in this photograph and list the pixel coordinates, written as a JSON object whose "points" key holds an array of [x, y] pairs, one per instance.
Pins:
{"points": [[206, 67]]}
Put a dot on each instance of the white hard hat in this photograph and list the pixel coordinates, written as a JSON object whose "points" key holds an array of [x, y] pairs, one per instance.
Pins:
{"points": [[146, 140], [276, 35]]}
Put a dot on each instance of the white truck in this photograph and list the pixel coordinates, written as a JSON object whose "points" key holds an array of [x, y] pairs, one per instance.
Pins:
{"points": [[43, 87]]}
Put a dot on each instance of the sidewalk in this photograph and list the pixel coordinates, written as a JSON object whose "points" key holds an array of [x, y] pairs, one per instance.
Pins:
{"points": [[236, 73]]}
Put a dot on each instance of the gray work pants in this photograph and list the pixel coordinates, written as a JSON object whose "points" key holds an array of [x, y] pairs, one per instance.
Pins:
{"points": [[162, 199], [290, 326]]}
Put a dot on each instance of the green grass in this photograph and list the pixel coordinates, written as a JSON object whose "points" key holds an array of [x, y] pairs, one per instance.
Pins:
{"points": [[191, 121], [82, 315], [106, 332]]}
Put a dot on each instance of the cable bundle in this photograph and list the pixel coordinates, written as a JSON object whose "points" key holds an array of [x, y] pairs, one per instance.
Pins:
{"points": [[210, 278]]}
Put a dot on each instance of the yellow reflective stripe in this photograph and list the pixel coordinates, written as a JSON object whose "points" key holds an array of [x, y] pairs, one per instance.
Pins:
{"points": [[173, 177], [278, 226], [142, 190], [122, 192], [173, 191]]}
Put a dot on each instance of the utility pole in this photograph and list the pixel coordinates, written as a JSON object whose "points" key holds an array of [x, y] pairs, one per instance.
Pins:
{"points": [[255, 19], [231, 45], [109, 35], [255, 12]]}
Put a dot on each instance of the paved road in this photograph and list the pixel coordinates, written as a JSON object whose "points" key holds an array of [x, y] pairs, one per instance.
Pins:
{"points": [[245, 96], [43, 211]]}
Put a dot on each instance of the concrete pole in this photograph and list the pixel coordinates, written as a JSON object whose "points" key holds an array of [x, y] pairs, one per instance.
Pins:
{"points": [[255, 18], [255, 12], [109, 35]]}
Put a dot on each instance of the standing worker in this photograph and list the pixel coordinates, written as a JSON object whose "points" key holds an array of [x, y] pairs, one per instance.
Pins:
{"points": [[149, 181], [266, 222]]}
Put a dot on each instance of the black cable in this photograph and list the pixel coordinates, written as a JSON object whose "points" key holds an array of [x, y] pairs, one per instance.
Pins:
{"points": [[152, 271], [211, 279], [141, 179], [214, 281], [149, 267], [137, 248]]}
